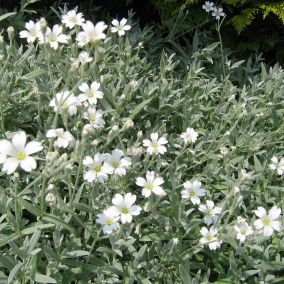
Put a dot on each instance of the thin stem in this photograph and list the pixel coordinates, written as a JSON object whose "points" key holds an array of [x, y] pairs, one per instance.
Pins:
{"points": [[221, 46]]}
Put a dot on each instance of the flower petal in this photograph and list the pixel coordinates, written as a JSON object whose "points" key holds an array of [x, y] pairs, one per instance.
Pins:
{"points": [[28, 164], [7, 148], [10, 165], [33, 147], [19, 140]]}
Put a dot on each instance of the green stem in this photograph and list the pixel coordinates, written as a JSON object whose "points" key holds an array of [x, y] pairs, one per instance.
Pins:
{"points": [[79, 167], [221, 46], [17, 209]]}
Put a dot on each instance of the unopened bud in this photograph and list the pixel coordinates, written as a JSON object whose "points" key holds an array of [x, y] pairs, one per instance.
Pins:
{"points": [[128, 124], [51, 156], [122, 98], [87, 129], [50, 187], [135, 151], [43, 25], [50, 198], [139, 134], [175, 241], [69, 167], [96, 142], [224, 151], [133, 84], [236, 189], [10, 31], [114, 128]]}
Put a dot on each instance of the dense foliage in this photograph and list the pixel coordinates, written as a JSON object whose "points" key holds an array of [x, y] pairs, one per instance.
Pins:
{"points": [[127, 158]]}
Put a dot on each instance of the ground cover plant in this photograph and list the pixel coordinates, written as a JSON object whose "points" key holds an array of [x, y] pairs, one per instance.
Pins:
{"points": [[121, 165]]}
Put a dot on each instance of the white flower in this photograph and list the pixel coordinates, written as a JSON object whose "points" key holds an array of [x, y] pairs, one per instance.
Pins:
{"points": [[151, 184], [124, 205], [211, 213], [91, 33], [33, 31], [210, 237], [243, 229], [218, 13], [64, 138], [117, 164], [208, 6], [120, 27], [155, 145], [90, 94], [65, 101], [84, 57], [54, 36], [95, 117], [193, 190], [189, 136], [97, 170], [18, 153], [267, 223], [82, 39], [277, 165], [109, 219], [72, 19]]}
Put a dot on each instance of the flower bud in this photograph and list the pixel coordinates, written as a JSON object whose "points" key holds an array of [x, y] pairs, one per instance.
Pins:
{"points": [[51, 156], [114, 128], [50, 198], [96, 142], [128, 124], [87, 129], [133, 84], [139, 134], [10, 31], [43, 25], [50, 187]]}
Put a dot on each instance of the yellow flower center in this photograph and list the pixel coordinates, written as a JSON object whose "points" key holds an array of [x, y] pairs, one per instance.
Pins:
{"points": [[209, 238], [155, 146], [90, 94], [109, 222], [192, 193], [92, 117], [124, 210], [21, 156], [150, 186], [266, 221], [244, 232], [210, 213], [53, 38], [115, 165], [97, 169]]}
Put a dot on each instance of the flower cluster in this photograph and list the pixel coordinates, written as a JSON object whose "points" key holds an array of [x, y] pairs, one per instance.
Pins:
{"points": [[216, 12], [91, 33], [123, 210], [102, 165]]}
